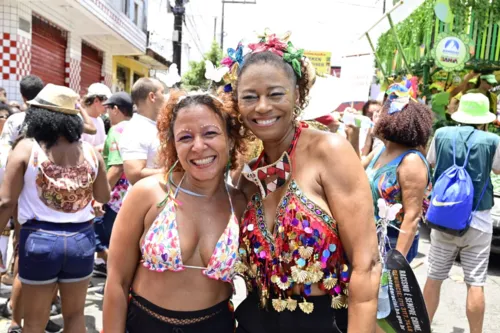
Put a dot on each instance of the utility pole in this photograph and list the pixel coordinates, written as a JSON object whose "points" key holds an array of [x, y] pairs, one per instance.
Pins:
{"points": [[222, 26], [242, 2], [179, 12], [215, 28]]}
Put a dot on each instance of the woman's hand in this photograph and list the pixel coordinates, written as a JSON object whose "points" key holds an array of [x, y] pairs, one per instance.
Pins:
{"points": [[352, 133]]}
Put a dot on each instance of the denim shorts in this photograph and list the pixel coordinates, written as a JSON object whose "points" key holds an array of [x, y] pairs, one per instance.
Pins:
{"points": [[56, 252], [103, 226]]}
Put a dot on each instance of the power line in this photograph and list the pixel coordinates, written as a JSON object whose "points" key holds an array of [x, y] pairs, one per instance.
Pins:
{"points": [[196, 37], [194, 40]]}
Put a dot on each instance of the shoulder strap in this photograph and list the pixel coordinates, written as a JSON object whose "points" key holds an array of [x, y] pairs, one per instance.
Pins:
{"points": [[401, 157], [375, 158], [470, 142], [397, 161], [88, 150], [482, 193], [229, 196]]}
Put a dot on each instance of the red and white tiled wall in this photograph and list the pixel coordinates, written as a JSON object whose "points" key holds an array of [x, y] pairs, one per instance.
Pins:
{"points": [[73, 61], [15, 49], [15, 46]]}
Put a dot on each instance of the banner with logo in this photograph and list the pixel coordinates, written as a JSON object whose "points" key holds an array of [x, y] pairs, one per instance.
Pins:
{"points": [[320, 60], [407, 307], [451, 51]]}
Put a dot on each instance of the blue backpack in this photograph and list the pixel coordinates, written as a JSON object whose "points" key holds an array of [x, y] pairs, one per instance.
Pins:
{"points": [[450, 210]]}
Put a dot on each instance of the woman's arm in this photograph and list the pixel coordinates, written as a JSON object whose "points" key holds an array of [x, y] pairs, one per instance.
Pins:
{"points": [[366, 160], [13, 181], [453, 106], [413, 179], [102, 191], [367, 148], [124, 254], [88, 125], [352, 133], [349, 198]]}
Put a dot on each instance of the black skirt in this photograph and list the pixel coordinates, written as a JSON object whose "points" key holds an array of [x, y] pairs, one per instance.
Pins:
{"points": [[324, 319]]}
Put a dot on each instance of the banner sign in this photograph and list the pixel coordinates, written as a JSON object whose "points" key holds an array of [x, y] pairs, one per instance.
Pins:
{"points": [[320, 60], [356, 78], [451, 51], [408, 311]]}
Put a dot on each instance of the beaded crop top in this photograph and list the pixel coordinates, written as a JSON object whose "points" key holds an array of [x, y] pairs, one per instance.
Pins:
{"points": [[161, 250], [303, 249]]}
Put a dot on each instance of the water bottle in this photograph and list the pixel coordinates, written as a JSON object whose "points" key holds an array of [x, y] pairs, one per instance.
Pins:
{"points": [[357, 120], [384, 302]]}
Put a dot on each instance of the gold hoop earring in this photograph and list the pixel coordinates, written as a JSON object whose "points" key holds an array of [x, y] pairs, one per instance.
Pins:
{"points": [[239, 119], [296, 112]]}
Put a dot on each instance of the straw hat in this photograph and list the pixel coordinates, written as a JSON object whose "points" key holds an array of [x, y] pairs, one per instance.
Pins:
{"points": [[474, 108], [56, 98]]}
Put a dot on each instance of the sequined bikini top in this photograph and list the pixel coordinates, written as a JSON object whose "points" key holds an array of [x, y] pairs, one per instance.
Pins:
{"points": [[161, 250], [303, 249]]}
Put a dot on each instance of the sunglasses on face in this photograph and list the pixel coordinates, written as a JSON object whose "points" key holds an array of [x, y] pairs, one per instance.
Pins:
{"points": [[3, 116]]}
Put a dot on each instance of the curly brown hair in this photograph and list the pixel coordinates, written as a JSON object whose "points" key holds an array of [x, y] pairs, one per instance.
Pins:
{"points": [[411, 127], [225, 110], [275, 60]]}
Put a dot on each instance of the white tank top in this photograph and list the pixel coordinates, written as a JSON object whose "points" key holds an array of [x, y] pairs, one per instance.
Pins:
{"points": [[52, 193]]}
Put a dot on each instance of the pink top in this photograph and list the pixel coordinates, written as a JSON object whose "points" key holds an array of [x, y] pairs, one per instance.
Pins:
{"points": [[161, 250]]}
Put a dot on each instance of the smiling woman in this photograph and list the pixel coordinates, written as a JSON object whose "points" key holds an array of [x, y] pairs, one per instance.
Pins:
{"points": [[185, 223], [308, 199], [175, 134]]}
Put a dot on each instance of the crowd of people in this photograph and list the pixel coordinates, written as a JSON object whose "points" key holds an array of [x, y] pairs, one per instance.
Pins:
{"points": [[172, 200]]}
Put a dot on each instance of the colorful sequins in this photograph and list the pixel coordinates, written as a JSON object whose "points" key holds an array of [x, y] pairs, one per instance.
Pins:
{"points": [[303, 251], [161, 249]]}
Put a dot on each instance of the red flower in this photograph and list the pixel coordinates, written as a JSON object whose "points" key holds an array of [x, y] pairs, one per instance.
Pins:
{"points": [[272, 44]]}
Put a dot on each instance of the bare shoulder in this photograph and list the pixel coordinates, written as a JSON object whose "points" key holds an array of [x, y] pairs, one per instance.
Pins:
{"points": [[323, 145], [24, 147], [413, 167], [146, 187], [412, 160]]}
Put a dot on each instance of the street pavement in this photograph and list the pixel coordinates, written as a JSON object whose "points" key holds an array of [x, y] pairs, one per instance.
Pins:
{"points": [[450, 318]]}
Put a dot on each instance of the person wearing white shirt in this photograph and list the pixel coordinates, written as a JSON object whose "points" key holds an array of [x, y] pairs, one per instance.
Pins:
{"points": [[97, 94], [139, 141]]}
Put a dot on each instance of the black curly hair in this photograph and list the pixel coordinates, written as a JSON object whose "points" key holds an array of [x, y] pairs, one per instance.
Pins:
{"points": [[410, 127], [275, 60], [48, 126]]}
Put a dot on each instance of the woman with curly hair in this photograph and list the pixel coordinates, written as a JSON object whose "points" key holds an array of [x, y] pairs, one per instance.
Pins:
{"points": [[54, 177], [303, 256], [399, 172], [179, 231]]}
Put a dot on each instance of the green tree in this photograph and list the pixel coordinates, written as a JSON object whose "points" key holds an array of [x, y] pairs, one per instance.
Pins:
{"points": [[195, 78]]}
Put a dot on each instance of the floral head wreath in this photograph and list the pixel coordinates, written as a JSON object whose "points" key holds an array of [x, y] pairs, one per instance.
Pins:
{"points": [[398, 97], [212, 74], [279, 45]]}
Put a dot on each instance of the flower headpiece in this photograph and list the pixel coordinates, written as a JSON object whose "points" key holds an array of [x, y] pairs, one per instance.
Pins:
{"points": [[398, 97], [213, 75], [279, 45]]}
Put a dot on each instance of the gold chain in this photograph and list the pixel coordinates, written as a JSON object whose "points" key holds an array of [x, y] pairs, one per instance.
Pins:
{"points": [[175, 321]]}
